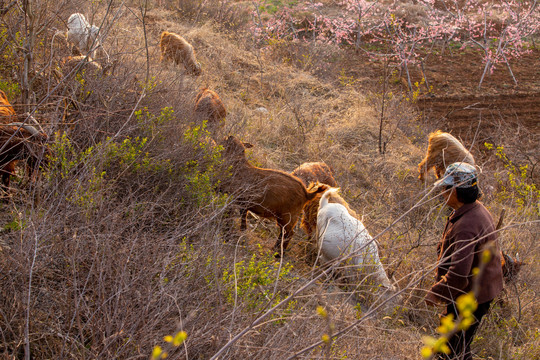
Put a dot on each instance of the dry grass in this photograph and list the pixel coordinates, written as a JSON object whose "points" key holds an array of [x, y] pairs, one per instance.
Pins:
{"points": [[112, 250]]}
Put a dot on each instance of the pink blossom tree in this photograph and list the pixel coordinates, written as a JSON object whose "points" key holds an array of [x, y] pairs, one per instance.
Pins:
{"points": [[498, 28]]}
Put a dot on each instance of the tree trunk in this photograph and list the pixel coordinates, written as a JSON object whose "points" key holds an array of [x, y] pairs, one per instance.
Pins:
{"points": [[28, 48]]}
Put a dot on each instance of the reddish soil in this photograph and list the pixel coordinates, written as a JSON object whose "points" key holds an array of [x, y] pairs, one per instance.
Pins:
{"points": [[457, 103], [500, 112]]}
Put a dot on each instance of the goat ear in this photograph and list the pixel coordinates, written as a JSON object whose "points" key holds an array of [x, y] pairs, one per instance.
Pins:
{"points": [[247, 145], [318, 185]]}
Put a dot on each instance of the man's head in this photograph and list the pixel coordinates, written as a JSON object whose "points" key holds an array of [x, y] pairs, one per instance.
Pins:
{"points": [[460, 182]]}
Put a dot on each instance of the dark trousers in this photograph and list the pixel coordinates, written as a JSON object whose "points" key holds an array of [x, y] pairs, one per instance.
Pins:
{"points": [[460, 342]]}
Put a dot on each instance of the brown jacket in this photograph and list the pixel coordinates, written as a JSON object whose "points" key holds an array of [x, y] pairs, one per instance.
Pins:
{"points": [[466, 232]]}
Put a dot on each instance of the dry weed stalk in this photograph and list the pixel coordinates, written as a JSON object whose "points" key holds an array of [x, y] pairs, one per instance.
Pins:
{"points": [[122, 241]]}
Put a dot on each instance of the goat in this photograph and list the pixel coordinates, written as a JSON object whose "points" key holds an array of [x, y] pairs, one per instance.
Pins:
{"points": [[340, 235], [315, 171], [308, 173], [208, 106], [20, 142], [267, 193], [510, 266], [176, 48], [7, 113], [443, 150], [309, 218], [81, 62], [8, 118], [83, 35]]}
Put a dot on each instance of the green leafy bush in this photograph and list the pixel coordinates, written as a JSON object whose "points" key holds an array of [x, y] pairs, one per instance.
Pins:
{"points": [[252, 283], [515, 186], [202, 171]]}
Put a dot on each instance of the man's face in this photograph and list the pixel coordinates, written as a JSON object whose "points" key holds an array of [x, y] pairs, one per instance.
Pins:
{"points": [[450, 198]]}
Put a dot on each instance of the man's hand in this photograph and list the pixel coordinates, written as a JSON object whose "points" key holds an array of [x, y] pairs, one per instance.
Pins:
{"points": [[432, 300]]}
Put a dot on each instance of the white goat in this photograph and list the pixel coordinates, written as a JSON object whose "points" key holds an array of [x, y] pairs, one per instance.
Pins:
{"points": [[83, 35], [340, 235]]}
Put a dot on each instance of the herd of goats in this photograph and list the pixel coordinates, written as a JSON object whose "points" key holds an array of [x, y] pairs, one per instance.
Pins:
{"points": [[310, 191]]}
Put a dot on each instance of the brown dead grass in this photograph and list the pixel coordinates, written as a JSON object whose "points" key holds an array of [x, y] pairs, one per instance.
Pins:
{"points": [[149, 259]]}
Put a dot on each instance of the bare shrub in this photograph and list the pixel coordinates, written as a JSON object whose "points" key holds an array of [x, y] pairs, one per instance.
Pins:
{"points": [[121, 242], [227, 14]]}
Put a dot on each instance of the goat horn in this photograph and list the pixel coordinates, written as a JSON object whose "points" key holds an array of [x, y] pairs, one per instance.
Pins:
{"points": [[33, 119], [32, 130], [517, 256]]}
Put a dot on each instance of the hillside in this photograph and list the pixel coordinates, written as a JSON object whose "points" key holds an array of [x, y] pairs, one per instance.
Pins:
{"points": [[124, 239]]}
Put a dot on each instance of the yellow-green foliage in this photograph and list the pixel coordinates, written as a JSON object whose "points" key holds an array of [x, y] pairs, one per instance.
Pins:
{"points": [[417, 90], [16, 224], [252, 283], [11, 89], [466, 305], [101, 162], [129, 153], [272, 6], [150, 86], [9, 58], [515, 185], [201, 172], [65, 157], [514, 339], [64, 163], [184, 255], [86, 193], [332, 348], [345, 80], [152, 124], [175, 341]]}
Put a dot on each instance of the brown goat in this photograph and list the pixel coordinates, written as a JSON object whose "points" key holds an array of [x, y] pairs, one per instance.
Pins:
{"points": [[20, 142], [510, 266], [208, 106], [315, 171], [8, 122], [86, 64], [443, 150], [309, 173], [267, 193], [176, 48], [7, 113], [309, 219]]}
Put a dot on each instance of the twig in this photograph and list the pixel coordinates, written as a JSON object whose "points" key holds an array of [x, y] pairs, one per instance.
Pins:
{"points": [[27, 322], [144, 9]]}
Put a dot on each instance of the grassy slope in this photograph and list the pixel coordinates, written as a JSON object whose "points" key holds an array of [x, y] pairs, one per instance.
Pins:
{"points": [[153, 286]]}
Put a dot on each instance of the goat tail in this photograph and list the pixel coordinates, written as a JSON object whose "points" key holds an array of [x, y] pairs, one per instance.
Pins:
{"points": [[326, 195]]}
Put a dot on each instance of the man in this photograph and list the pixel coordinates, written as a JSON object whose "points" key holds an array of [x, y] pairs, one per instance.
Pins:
{"points": [[468, 230]]}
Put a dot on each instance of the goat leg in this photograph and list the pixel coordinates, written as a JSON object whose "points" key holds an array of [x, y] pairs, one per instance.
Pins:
{"points": [[243, 219]]}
